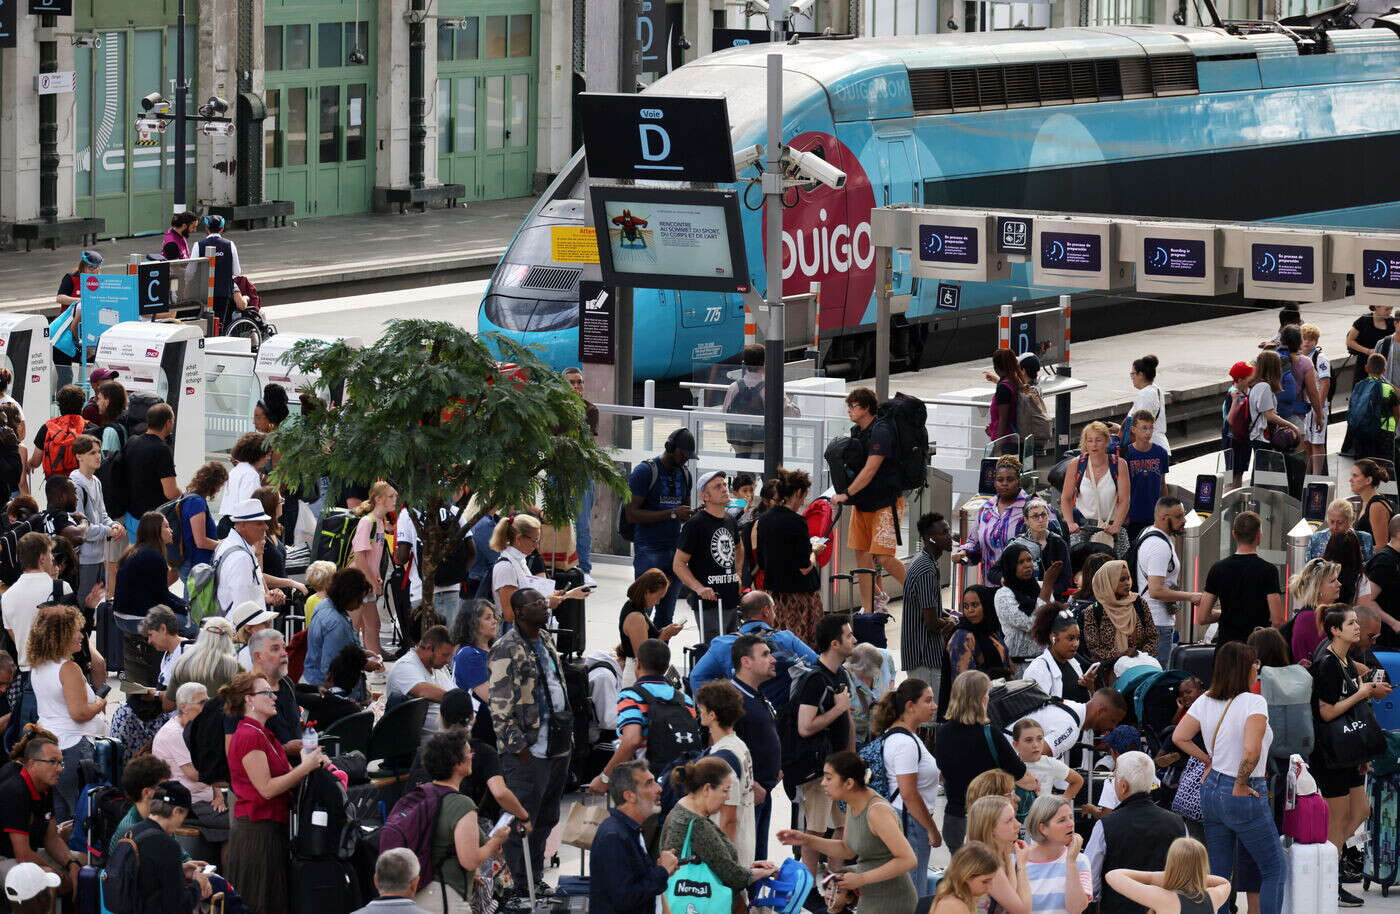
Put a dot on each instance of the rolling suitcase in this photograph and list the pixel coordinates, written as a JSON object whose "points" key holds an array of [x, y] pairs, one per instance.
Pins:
{"points": [[1196, 659], [1382, 861], [89, 895], [1388, 708], [1310, 884]]}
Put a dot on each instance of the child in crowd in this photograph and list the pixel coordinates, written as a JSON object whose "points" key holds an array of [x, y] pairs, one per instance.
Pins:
{"points": [[1372, 410], [1115, 742], [1147, 473], [1029, 743], [967, 880], [741, 502], [1186, 695], [318, 578]]}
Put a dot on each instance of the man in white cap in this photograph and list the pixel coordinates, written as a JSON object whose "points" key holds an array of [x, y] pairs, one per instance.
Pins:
{"points": [[30, 889], [249, 618], [708, 557], [238, 560]]}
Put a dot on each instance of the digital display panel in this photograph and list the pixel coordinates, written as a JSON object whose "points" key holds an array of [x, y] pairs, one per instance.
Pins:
{"points": [[1286, 263], [1315, 502], [653, 238], [1071, 251], [1380, 269], [1205, 494], [948, 244], [1174, 257], [986, 479]]}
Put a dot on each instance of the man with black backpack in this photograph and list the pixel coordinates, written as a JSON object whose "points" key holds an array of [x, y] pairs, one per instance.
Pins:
{"points": [[146, 873], [745, 398], [1157, 568], [652, 519], [655, 720], [875, 495]]}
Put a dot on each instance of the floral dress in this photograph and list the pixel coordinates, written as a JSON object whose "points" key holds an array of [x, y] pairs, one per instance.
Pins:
{"points": [[993, 530]]}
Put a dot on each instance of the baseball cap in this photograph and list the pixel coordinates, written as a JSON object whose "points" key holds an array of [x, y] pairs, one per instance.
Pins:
{"points": [[27, 880], [98, 375], [1241, 370], [1123, 738], [174, 793], [706, 478], [1030, 363]]}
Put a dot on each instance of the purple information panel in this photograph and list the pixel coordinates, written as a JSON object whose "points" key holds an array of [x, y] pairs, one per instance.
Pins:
{"points": [[1380, 269], [1291, 263], [948, 244], [1173, 257], [1071, 251]]}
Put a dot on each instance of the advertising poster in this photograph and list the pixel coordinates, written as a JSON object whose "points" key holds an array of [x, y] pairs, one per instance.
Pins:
{"points": [[664, 238], [107, 301]]}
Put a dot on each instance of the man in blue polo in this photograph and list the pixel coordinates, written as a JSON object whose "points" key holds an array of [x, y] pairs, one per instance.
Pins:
{"points": [[625, 878], [659, 504], [759, 616]]}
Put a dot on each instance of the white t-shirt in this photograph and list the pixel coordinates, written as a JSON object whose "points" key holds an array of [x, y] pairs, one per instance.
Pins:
{"points": [[243, 480], [908, 755], [407, 534], [1227, 748], [740, 797], [239, 575], [408, 671], [1150, 398], [1261, 400], [20, 605], [1049, 771], [167, 662], [510, 573], [1157, 556], [1061, 728]]}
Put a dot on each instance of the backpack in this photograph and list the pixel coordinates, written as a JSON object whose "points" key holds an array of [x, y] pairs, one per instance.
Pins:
{"points": [[747, 401], [802, 756], [1011, 701], [204, 737], [1365, 406], [1288, 691], [873, 754], [335, 530], [586, 711], [844, 458], [671, 728], [1291, 401], [121, 889], [625, 528], [112, 473], [907, 418], [1239, 418], [324, 824], [1032, 420], [410, 824], [483, 590], [453, 568], [138, 404], [1136, 546], [202, 588], [59, 435], [175, 552], [671, 792], [101, 807]]}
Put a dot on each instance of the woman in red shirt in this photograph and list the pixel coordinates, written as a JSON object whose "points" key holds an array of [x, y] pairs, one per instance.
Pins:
{"points": [[262, 779]]}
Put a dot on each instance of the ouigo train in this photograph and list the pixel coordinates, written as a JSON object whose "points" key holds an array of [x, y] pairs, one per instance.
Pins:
{"points": [[1293, 122]]}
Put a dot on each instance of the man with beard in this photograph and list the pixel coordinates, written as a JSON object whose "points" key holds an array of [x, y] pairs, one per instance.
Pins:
{"points": [[625, 880]]}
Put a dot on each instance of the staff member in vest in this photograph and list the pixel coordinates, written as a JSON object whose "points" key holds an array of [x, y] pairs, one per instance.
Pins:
{"points": [[176, 243], [226, 265], [1135, 835]]}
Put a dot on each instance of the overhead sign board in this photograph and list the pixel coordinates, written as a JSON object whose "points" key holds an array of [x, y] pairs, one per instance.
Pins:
{"points": [[1287, 265], [1178, 258], [50, 7], [1080, 253], [8, 22], [153, 287], [723, 39], [955, 246], [658, 238], [1014, 236], [658, 35], [657, 137]]}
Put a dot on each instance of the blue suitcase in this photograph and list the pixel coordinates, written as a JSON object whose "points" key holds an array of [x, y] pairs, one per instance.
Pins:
{"points": [[1388, 708]]}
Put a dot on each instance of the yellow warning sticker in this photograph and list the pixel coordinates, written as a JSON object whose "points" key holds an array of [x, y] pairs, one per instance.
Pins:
{"points": [[573, 244]]}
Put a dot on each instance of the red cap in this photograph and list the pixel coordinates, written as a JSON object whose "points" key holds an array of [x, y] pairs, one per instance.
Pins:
{"points": [[1241, 370]]}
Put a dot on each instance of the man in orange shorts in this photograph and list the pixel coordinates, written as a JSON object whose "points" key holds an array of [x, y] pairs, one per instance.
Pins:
{"points": [[874, 497]]}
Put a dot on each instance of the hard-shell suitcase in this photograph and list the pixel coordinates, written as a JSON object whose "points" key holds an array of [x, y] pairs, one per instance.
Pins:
{"points": [[324, 886], [1310, 883], [1382, 862], [1388, 709], [1196, 659], [89, 894]]}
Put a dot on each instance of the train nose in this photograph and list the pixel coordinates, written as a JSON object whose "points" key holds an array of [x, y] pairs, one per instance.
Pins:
{"points": [[534, 299]]}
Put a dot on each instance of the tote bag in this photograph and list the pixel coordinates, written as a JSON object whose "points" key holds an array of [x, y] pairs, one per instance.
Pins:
{"points": [[695, 889], [1353, 738]]}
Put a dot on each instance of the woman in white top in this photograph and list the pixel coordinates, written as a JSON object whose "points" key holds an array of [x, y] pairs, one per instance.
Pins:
{"points": [[720, 705], [1263, 387], [1057, 670], [515, 538], [1149, 397], [1234, 723], [248, 455], [1096, 491], [1019, 596], [68, 708], [910, 767]]}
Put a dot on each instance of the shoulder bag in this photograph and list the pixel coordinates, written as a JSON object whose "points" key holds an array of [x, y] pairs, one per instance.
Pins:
{"points": [[694, 888], [1355, 737]]}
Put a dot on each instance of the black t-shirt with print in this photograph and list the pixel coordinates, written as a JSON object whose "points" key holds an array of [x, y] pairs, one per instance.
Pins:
{"points": [[713, 546]]}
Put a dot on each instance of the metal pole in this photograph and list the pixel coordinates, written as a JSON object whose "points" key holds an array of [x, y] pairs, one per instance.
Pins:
{"points": [[180, 88], [628, 67], [417, 103], [1062, 400], [884, 290], [48, 126], [773, 241]]}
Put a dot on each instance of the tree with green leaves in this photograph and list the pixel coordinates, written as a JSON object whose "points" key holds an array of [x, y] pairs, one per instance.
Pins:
{"points": [[431, 409]]}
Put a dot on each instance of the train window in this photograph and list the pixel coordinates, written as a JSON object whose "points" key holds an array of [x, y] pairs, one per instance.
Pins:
{"points": [[272, 129], [496, 36], [444, 117], [328, 45]]}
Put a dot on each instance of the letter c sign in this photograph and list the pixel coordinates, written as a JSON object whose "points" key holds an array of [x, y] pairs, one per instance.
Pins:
{"points": [[152, 287]]}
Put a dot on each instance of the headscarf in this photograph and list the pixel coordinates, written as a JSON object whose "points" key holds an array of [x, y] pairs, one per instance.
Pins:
{"points": [[988, 631], [1122, 613], [1026, 592]]}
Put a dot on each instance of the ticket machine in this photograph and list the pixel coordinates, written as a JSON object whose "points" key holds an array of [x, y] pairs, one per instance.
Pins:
{"points": [[25, 351], [167, 360], [272, 366]]}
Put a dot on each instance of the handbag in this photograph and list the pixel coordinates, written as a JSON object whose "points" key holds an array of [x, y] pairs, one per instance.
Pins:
{"points": [[582, 824], [1187, 802], [694, 888], [1355, 737]]}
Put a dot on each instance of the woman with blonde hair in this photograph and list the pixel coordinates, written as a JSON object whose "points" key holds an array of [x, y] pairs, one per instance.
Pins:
{"points": [[991, 821], [1185, 885], [1096, 492], [1313, 588], [1340, 542], [991, 783], [211, 661], [368, 547], [1058, 873], [1263, 386], [516, 537], [966, 881]]}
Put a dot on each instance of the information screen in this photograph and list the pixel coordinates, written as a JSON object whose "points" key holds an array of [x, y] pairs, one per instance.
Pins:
{"points": [[948, 244], [653, 238], [1290, 263], [1315, 502], [1380, 269], [1071, 251], [1174, 257], [1205, 494]]}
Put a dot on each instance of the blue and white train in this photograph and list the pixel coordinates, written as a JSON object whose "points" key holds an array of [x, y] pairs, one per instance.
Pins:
{"points": [[1251, 121]]}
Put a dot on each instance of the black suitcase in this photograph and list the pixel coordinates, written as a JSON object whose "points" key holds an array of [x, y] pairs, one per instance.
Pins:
{"points": [[572, 638], [88, 899], [324, 886], [1196, 659], [109, 636]]}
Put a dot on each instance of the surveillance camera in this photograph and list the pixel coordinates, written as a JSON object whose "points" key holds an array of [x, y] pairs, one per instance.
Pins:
{"points": [[748, 157], [218, 104], [154, 100], [356, 57], [87, 41], [813, 167], [756, 6], [802, 7], [684, 43]]}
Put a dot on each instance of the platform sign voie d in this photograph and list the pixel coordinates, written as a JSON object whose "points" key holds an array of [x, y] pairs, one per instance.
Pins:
{"points": [[1284, 265], [1079, 253], [656, 137], [956, 247], [1178, 258], [659, 238]]}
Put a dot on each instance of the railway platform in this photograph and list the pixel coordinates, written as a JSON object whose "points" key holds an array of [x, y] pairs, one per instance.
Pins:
{"points": [[312, 258]]}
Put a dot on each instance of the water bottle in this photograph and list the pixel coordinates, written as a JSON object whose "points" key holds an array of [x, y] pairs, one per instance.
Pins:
{"points": [[309, 739]]}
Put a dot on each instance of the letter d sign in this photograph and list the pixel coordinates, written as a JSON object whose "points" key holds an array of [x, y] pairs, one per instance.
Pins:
{"points": [[651, 137]]}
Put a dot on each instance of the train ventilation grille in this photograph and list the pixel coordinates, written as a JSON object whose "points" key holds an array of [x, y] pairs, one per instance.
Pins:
{"points": [[554, 278], [960, 89]]}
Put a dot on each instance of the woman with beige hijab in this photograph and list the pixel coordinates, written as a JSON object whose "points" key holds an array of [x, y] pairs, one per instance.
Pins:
{"points": [[1118, 623]]}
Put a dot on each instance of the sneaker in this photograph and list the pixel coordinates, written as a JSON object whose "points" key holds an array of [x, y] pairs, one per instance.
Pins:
{"points": [[544, 891], [1347, 900]]}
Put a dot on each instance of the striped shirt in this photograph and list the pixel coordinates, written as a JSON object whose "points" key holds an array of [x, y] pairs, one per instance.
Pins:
{"points": [[1048, 883], [634, 703], [923, 589]]}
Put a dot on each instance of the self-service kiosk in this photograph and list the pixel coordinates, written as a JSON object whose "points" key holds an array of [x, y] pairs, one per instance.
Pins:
{"points": [[25, 351], [273, 367], [1317, 495], [165, 359]]}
